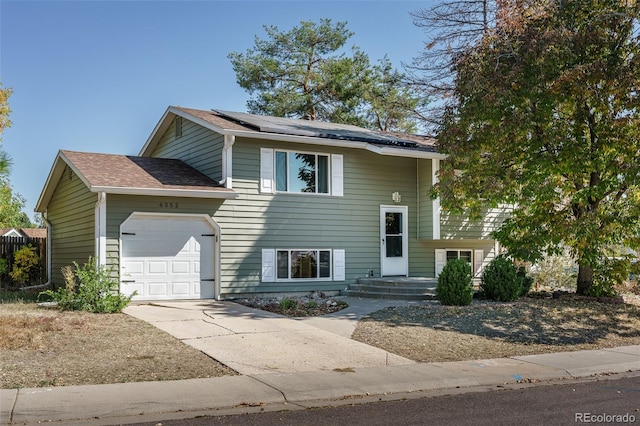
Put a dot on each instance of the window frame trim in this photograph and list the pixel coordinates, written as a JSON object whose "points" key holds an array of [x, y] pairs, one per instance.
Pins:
{"points": [[289, 278], [316, 154]]}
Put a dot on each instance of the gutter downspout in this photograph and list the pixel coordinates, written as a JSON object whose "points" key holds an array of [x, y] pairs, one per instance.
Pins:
{"points": [[435, 165], [227, 161], [49, 245], [101, 229]]}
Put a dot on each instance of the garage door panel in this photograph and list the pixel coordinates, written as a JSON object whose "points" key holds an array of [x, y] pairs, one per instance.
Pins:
{"points": [[133, 267], [181, 288], [157, 267], [163, 256], [180, 267], [157, 288]]}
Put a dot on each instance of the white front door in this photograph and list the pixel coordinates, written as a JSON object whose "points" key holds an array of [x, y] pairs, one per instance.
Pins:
{"points": [[167, 257], [394, 244]]}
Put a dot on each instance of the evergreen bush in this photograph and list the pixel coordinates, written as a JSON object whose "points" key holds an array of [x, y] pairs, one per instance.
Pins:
{"points": [[455, 286], [502, 282]]}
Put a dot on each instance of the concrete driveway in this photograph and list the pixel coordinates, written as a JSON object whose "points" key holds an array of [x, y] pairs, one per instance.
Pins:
{"points": [[252, 341]]}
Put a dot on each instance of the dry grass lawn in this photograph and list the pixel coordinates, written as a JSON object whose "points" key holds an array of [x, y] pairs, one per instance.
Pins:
{"points": [[45, 347], [493, 330]]}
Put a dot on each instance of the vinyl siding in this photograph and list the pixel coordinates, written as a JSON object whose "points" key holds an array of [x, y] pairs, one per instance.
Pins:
{"points": [[198, 146], [257, 221], [487, 246], [71, 213], [120, 207], [458, 227]]}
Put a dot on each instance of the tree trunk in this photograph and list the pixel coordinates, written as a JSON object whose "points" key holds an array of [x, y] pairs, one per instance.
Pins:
{"points": [[585, 277]]}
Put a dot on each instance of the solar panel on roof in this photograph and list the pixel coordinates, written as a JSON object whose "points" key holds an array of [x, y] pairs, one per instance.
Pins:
{"points": [[296, 127]]}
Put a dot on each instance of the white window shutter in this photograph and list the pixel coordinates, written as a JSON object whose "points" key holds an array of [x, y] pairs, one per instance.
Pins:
{"points": [[268, 265], [266, 170], [339, 266], [478, 260], [337, 179], [441, 260]]}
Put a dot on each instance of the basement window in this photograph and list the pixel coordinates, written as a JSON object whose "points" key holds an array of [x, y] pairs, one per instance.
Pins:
{"points": [[303, 264]]}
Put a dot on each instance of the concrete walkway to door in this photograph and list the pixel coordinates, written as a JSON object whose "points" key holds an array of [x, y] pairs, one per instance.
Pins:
{"points": [[252, 341]]}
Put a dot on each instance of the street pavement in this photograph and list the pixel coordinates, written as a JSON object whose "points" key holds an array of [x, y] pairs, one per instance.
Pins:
{"points": [[287, 363]]}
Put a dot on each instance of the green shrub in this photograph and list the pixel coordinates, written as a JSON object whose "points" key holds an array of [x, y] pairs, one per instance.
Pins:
{"points": [[89, 288], [24, 262], [288, 303], [312, 304], [501, 281], [525, 280], [454, 284]]}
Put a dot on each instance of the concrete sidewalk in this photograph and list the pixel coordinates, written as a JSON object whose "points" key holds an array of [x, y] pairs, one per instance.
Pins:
{"points": [[355, 371]]}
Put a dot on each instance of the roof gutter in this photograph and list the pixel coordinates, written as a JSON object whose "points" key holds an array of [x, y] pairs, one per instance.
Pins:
{"points": [[182, 193], [335, 142]]}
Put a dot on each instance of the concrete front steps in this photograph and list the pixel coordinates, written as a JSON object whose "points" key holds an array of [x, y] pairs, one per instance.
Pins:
{"points": [[396, 288]]}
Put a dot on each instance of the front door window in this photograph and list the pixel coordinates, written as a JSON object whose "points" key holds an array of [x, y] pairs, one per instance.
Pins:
{"points": [[393, 225], [394, 241]]}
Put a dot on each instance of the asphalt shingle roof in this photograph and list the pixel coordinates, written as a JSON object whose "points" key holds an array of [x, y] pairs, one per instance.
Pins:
{"points": [[123, 171]]}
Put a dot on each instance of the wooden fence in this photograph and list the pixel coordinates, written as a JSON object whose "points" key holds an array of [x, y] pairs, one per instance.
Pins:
{"points": [[8, 246]]}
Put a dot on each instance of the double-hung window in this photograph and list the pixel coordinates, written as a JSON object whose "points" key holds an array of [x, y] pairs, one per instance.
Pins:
{"points": [[302, 172], [303, 264]]}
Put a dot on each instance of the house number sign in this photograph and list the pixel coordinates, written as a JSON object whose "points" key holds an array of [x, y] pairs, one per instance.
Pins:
{"points": [[169, 205]]}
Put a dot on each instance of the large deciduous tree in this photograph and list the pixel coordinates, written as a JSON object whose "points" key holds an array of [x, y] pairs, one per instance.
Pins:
{"points": [[546, 117], [305, 73]]}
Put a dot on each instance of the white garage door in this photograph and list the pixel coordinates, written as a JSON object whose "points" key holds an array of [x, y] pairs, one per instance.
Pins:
{"points": [[167, 257]]}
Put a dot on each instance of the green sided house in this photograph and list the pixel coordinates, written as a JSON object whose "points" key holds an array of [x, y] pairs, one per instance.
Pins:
{"points": [[222, 205]]}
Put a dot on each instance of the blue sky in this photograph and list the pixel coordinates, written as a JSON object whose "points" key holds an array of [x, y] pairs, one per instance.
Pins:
{"points": [[98, 75]]}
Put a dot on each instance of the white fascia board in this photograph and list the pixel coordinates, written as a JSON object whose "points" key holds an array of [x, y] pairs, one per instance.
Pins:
{"points": [[158, 130], [398, 152], [55, 174], [182, 193], [296, 139], [165, 122], [53, 177], [335, 142]]}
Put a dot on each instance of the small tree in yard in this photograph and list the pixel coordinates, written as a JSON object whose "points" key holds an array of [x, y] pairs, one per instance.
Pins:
{"points": [[89, 288], [455, 286], [25, 261]]}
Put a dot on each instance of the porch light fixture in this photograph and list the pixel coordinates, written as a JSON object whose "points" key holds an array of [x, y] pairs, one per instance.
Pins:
{"points": [[396, 197]]}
